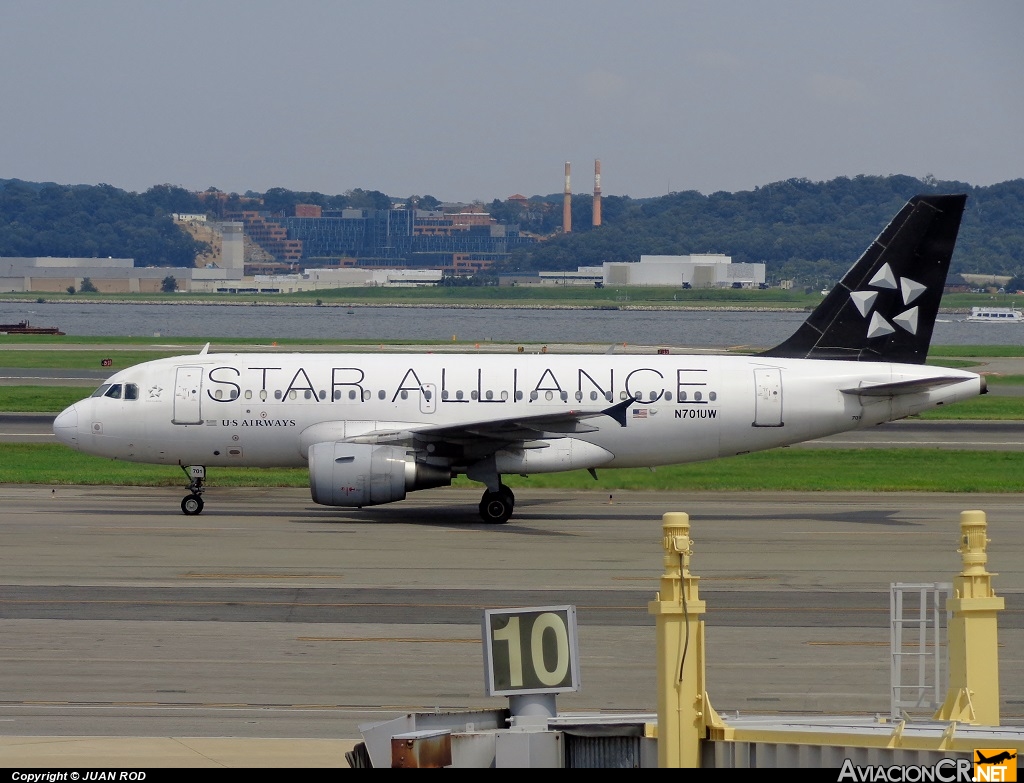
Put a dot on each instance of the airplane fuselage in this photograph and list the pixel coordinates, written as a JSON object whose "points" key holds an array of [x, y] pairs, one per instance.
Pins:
{"points": [[372, 427], [269, 409]]}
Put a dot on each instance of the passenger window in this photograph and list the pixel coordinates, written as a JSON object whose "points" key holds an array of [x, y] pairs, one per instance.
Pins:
{"points": [[323, 394], [382, 395], [712, 396], [579, 396], [564, 395], [458, 394], [337, 394], [682, 396], [248, 394], [219, 394], [473, 394], [351, 394], [427, 395], [277, 394], [533, 396], [366, 395], [697, 396], [292, 394], [405, 394], [263, 395], [519, 395], [548, 395], [444, 394], [307, 394]]}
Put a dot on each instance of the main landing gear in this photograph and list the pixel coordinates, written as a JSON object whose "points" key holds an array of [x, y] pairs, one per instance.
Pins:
{"points": [[496, 507], [192, 503]]}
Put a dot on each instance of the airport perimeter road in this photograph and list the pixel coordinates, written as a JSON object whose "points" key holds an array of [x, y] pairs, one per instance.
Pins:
{"points": [[270, 617]]}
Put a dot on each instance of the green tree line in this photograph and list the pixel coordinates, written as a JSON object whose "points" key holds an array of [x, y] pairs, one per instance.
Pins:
{"points": [[800, 229]]}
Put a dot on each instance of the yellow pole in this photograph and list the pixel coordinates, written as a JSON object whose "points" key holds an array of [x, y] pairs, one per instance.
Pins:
{"points": [[973, 695], [684, 711]]}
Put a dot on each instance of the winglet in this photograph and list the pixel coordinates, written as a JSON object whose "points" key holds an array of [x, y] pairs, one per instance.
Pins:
{"points": [[885, 306], [618, 411], [206, 349]]}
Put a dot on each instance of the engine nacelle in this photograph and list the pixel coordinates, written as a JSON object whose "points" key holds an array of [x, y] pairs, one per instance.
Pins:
{"points": [[361, 474]]}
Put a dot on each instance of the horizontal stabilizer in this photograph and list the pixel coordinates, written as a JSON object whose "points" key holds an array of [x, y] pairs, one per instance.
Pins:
{"points": [[896, 388]]}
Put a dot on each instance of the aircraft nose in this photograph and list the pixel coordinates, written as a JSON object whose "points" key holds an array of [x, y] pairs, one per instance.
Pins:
{"points": [[65, 427]]}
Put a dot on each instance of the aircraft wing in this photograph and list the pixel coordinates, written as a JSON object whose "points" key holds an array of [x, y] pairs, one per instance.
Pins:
{"points": [[497, 433]]}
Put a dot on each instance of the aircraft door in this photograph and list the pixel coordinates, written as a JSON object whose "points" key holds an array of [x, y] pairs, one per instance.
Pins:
{"points": [[188, 385], [768, 397], [428, 398]]}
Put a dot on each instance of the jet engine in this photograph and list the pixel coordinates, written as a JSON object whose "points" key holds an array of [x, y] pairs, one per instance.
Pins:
{"points": [[361, 474]]}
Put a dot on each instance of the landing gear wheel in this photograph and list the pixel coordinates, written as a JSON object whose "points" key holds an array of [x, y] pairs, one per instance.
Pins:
{"points": [[496, 507], [191, 505], [507, 494]]}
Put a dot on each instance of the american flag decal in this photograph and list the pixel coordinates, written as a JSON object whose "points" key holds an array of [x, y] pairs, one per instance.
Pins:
{"points": [[639, 413]]}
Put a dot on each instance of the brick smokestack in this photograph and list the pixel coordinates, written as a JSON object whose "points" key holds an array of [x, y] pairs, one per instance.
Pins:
{"points": [[567, 204], [597, 192]]}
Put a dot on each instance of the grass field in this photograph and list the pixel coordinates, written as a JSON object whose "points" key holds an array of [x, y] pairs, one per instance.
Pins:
{"points": [[781, 469], [794, 469]]}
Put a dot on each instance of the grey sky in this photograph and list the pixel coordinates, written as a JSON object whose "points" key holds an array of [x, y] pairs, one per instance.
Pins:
{"points": [[483, 99]]}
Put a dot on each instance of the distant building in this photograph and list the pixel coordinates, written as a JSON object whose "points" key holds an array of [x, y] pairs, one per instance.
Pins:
{"points": [[707, 270], [464, 241], [108, 275], [351, 277]]}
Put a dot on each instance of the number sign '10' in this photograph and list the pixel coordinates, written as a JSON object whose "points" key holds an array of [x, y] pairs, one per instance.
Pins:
{"points": [[531, 650]]}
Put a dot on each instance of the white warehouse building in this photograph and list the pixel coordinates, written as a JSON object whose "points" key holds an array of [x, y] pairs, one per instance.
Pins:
{"points": [[708, 270]]}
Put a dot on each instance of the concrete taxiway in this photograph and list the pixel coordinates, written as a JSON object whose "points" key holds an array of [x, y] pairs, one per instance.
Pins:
{"points": [[133, 635]]}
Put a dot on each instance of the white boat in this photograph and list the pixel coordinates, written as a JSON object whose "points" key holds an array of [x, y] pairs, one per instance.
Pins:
{"points": [[996, 315]]}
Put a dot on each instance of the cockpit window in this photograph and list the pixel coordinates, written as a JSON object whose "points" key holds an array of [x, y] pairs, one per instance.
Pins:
{"points": [[117, 391]]}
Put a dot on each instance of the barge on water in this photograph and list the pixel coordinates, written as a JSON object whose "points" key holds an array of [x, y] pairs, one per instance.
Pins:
{"points": [[24, 327]]}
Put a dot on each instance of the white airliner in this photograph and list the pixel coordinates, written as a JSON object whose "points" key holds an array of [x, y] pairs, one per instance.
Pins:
{"points": [[373, 428]]}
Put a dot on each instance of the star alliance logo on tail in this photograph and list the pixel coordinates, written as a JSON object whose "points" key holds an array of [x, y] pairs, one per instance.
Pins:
{"points": [[865, 301]]}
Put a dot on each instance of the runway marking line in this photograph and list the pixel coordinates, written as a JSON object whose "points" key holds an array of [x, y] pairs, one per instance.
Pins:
{"points": [[262, 576], [385, 639]]}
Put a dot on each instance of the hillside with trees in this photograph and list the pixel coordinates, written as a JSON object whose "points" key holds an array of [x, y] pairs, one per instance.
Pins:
{"points": [[802, 230], [97, 221]]}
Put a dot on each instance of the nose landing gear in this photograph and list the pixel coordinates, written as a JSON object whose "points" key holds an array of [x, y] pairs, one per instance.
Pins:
{"points": [[192, 503]]}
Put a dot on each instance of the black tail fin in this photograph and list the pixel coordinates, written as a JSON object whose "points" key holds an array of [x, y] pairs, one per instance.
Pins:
{"points": [[884, 308]]}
